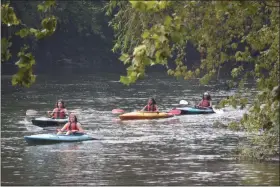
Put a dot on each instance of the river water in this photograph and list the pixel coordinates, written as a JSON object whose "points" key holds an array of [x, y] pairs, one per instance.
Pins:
{"points": [[183, 150]]}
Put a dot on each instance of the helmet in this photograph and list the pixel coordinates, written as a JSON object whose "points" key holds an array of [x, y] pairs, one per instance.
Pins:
{"points": [[206, 93], [208, 97]]}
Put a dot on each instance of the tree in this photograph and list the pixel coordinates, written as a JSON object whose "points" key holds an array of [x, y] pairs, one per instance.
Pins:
{"points": [[244, 36], [14, 26]]}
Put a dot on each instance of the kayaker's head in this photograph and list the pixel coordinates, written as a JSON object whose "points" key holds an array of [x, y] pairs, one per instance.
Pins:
{"points": [[152, 101], [73, 118], [60, 104], [206, 96]]}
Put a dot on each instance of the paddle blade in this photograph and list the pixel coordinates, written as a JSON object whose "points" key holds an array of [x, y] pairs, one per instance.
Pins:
{"points": [[174, 112], [183, 102], [31, 112], [117, 111]]}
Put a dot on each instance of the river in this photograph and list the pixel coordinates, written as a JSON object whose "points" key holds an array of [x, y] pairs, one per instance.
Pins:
{"points": [[183, 150]]}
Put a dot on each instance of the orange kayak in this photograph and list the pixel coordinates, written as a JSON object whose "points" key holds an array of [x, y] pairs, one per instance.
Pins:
{"points": [[144, 115]]}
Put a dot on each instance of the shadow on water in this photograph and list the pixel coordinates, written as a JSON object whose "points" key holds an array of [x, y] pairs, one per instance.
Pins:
{"points": [[184, 150]]}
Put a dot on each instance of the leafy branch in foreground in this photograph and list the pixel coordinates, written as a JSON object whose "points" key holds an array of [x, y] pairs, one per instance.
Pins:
{"points": [[24, 76]]}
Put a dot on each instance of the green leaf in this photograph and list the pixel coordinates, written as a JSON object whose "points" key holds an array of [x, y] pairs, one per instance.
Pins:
{"points": [[41, 8], [45, 6], [234, 45], [5, 52], [150, 4], [125, 80], [176, 36], [167, 21], [162, 39], [23, 32], [124, 57], [8, 15], [49, 23], [32, 30], [236, 71], [50, 3], [146, 34]]}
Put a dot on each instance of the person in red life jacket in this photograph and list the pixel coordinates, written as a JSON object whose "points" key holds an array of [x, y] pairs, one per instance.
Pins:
{"points": [[206, 101], [73, 126], [59, 112], [151, 106]]}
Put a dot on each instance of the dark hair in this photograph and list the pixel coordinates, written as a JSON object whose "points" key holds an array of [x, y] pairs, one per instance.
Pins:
{"points": [[153, 101], [208, 97], [62, 102], [75, 117]]}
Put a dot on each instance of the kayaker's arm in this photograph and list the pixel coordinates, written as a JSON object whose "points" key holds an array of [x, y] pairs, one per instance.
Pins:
{"points": [[51, 113], [199, 104], [156, 108], [80, 127], [66, 112], [63, 128], [143, 109]]}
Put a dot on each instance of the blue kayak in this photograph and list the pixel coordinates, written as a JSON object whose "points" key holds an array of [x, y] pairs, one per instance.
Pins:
{"points": [[194, 110], [54, 138]]}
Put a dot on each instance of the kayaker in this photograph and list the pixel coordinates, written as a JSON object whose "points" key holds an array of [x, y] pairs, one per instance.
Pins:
{"points": [[205, 102], [151, 106], [72, 126], [60, 112]]}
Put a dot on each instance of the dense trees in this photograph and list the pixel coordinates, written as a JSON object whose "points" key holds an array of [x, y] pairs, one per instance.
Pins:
{"points": [[80, 28]]}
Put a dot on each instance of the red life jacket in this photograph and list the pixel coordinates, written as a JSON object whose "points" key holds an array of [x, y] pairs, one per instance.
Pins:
{"points": [[205, 103], [151, 108], [72, 126], [59, 113]]}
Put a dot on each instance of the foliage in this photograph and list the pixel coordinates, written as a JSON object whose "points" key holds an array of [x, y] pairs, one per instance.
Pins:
{"points": [[235, 34], [24, 76], [84, 16], [69, 20]]}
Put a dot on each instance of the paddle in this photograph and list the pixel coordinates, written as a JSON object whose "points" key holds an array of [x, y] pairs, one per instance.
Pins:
{"points": [[183, 102], [117, 111], [31, 112], [174, 112]]}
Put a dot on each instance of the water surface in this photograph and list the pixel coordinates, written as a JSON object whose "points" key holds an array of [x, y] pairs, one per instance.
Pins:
{"points": [[184, 150]]}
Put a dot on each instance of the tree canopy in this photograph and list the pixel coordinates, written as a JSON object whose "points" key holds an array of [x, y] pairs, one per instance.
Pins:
{"points": [[9, 20], [242, 35], [32, 21]]}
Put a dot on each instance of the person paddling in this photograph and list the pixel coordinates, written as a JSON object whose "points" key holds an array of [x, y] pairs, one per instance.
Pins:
{"points": [[206, 101], [73, 126], [59, 112], [151, 106]]}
